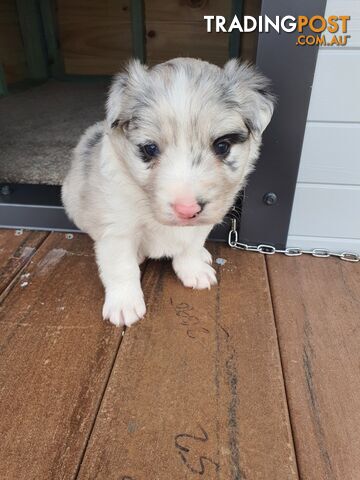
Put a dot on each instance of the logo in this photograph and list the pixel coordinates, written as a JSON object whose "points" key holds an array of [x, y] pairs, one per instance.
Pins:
{"points": [[325, 31]]}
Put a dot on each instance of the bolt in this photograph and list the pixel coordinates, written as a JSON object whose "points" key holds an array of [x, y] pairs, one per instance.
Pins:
{"points": [[5, 190], [270, 198]]}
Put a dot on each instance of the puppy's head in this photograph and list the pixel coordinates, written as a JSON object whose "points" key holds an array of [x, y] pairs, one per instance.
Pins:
{"points": [[189, 133]]}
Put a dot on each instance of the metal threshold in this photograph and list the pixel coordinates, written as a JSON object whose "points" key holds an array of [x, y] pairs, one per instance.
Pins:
{"points": [[39, 207]]}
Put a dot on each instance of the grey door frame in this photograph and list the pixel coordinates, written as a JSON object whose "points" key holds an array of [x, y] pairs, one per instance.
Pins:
{"points": [[291, 69], [265, 218]]}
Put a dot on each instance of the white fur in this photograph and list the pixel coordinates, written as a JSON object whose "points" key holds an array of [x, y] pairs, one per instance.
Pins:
{"points": [[125, 204]]}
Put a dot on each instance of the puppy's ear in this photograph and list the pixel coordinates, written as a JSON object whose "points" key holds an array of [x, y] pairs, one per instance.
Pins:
{"points": [[252, 94], [133, 76]]}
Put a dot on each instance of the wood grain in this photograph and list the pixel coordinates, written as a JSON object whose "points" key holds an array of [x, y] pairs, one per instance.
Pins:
{"points": [[95, 36], [12, 54], [197, 386], [177, 29], [185, 11], [16, 249], [55, 358], [317, 305], [169, 40]]}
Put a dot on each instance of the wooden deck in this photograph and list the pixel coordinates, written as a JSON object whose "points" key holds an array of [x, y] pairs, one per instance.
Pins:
{"points": [[257, 379]]}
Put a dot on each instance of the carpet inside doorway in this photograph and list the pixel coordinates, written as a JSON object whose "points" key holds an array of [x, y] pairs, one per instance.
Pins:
{"points": [[40, 127]]}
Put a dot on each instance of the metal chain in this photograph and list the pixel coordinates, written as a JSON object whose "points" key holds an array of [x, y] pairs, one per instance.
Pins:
{"points": [[290, 251]]}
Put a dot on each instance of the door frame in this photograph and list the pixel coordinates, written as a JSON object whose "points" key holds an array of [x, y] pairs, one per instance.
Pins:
{"points": [[268, 199]]}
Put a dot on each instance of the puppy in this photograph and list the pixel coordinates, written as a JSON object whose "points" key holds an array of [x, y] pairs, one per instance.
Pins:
{"points": [[151, 180]]}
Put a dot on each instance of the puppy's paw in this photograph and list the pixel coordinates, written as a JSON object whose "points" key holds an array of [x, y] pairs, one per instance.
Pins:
{"points": [[206, 256], [124, 306], [195, 273]]}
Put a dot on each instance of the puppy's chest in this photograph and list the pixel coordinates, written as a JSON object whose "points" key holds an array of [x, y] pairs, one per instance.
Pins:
{"points": [[164, 241]]}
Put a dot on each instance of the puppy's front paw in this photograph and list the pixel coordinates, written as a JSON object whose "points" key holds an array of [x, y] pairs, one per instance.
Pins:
{"points": [[194, 272], [124, 306], [206, 256]]}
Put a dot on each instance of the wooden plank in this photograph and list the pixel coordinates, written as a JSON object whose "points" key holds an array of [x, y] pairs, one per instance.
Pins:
{"points": [[178, 29], [95, 36], [317, 310], [95, 8], [16, 249], [197, 386], [55, 358], [170, 40], [11, 48], [326, 211], [337, 76], [185, 11], [330, 153]]}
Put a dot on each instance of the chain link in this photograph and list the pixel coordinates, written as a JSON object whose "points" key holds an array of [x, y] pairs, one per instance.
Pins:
{"points": [[290, 251]]}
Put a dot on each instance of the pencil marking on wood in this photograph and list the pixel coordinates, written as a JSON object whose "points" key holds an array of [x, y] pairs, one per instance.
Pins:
{"points": [[185, 451], [225, 331], [232, 381], [185, 312]]}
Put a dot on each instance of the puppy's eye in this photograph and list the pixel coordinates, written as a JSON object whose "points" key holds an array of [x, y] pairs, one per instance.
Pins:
{"points": [[150, 150], [221, 147]]}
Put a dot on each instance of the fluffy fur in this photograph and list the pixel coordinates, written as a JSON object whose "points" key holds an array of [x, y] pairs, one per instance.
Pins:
{"points": [[125, 200]]}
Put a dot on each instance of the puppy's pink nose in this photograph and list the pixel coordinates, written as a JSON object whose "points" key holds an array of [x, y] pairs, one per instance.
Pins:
{"points": [[186, 211]]}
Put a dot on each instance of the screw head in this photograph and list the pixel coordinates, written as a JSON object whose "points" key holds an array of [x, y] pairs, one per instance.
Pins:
{"points": [[5, 190], [270, 198]]}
